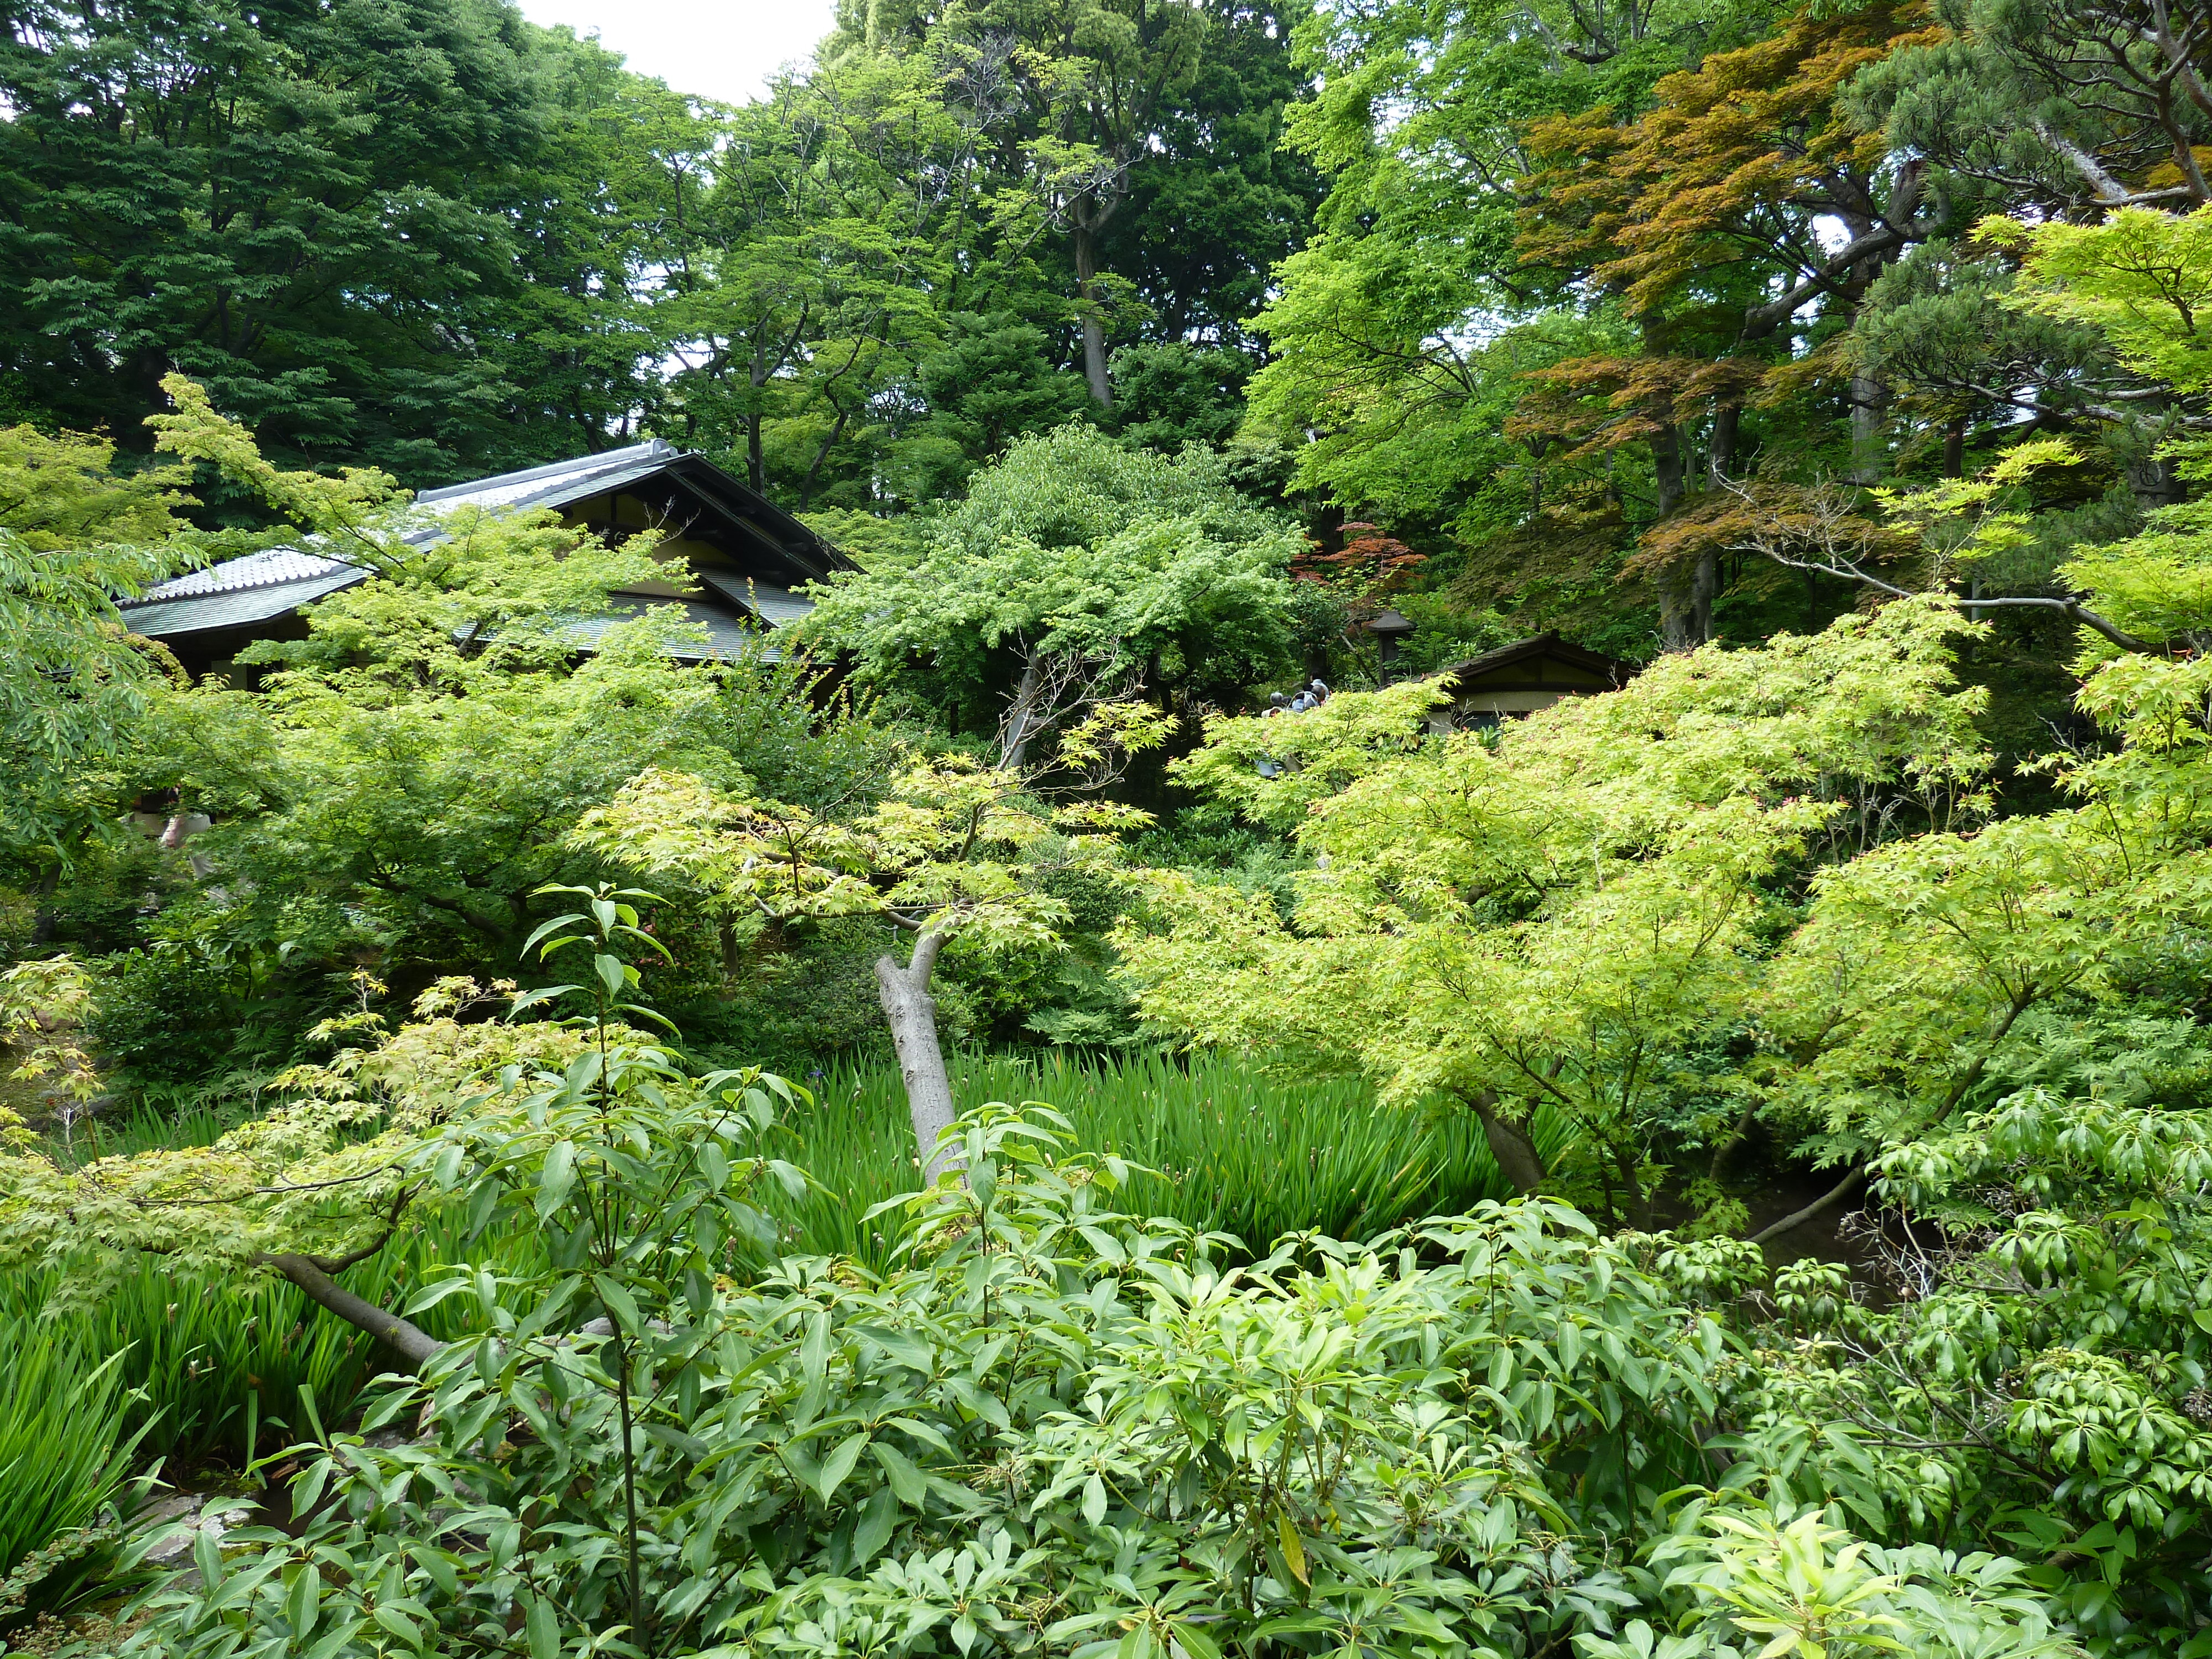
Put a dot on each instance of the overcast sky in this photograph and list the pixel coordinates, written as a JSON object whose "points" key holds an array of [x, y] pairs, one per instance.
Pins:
{"points": [[724, 49]]}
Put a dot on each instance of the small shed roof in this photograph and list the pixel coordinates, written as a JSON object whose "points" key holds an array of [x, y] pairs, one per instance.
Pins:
{"points": [[779, 607], [224, 596]]}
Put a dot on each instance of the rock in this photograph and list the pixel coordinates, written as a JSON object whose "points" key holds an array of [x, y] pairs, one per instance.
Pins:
{"points": [[182, 1516]]}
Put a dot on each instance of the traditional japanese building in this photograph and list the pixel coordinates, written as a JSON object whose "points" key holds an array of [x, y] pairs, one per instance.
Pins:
{"points": [[1519, 678], [732, 557]]}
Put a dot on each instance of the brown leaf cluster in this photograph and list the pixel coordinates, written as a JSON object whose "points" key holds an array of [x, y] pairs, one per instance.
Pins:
{"points": [[1734, 519], [1596, 403], [1641, 204]]}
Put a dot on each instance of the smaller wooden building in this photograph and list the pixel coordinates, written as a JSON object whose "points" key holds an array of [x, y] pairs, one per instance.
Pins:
{"points": [[1519, 678]]}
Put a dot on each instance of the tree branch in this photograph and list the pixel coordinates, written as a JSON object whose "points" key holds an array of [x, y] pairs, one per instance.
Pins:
{"points": [[410, 1341], [1819, 1207]]}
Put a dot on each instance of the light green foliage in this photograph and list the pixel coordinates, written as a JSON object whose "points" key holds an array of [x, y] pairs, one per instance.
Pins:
{"points": [[1073, 548], [1562, 918], [806, 271], [1802, 1586], [354, 811], [1054, 1429], [2140, 277], [63, 492], [954, 850], [74, 536], [1400, 335], [504, 581]]}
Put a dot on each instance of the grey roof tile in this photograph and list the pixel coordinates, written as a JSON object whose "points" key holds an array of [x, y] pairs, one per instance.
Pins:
{"points": [[233, 607], [779, 607], [276, 564]]}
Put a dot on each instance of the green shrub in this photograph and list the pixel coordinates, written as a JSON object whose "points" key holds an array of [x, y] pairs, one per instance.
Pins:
{"points": [[167, 1014], [1054, 1430]]}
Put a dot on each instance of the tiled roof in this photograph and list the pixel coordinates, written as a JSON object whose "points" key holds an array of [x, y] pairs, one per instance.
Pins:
{"points": [[159, 614], [779, 607], [727, 635], [278, 564]]}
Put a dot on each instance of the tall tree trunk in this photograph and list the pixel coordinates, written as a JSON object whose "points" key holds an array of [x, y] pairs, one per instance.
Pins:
{"points": [[1868, 459], [1727, 421], [1954, 449], [1021, 717], [1666, 466], [912, 1011], [1705, 578], [1510, 1142], [1094, 328], [756, 463]]}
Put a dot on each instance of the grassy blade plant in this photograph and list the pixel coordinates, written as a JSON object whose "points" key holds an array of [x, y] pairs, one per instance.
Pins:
{"points": [[65, 1449]]}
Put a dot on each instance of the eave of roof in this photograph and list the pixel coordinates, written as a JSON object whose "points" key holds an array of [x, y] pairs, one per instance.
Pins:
{"points": [[728, 634], [159, 616], [1611, 669], [779, 607]]}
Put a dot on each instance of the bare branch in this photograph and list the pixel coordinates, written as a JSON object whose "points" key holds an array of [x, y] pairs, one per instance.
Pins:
{"points": [[1832, 537]]}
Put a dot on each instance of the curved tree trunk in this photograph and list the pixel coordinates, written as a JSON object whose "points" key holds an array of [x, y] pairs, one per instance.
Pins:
{"points": [[1510, 1142], [1021, 714], [912, 1011], [1819, 1206]]}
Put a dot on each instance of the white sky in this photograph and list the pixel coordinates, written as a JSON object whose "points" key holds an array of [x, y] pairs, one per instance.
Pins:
{"points": [[721, 49]]}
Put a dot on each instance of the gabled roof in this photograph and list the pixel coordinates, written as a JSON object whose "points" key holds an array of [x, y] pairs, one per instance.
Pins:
{"points": [[263, 587], [689, 483], [558, 482], [1532, 656]]}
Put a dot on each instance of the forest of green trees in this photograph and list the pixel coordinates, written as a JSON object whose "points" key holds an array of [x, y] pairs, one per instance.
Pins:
{"points": [[976, 1125]]}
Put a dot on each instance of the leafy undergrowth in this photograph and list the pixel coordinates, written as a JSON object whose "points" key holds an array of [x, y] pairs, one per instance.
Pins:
{"points": [[204, 1375]]}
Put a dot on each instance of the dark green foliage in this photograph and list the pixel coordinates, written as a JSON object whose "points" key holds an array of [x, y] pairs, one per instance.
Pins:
{"points": [[1218, 200], [1171, 394], [172, 1014], [990, 383], [338, 219]]}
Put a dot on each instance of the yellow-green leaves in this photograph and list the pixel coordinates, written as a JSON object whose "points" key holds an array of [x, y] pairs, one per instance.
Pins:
{"points": [[2141, 277], [1562, 920]]}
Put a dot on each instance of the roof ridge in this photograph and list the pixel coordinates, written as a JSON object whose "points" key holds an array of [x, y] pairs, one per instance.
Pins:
{"points": [[604, 460]]}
